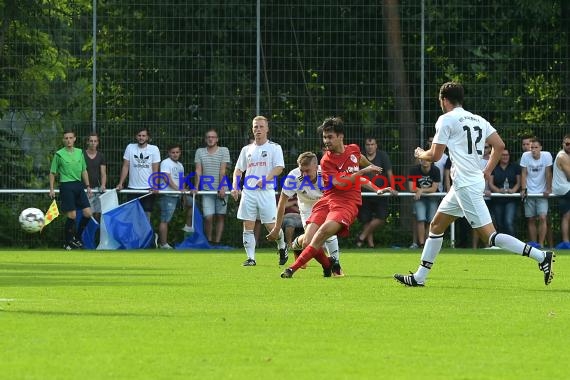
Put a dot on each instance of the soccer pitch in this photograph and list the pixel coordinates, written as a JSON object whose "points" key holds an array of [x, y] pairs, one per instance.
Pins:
{"points": [[200, 315]]}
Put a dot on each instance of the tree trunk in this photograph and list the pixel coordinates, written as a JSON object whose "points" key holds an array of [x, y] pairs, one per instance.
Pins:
{"points": [[404, 111]]}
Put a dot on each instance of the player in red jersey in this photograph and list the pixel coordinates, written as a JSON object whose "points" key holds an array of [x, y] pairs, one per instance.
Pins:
{"points": [[337, 209]]}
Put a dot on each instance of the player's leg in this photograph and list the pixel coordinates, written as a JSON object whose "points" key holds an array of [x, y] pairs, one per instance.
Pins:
{"points": [[545, 259], [67, 206], [82, 202], [302, 260], [331, 246], [267, 210], [449, 209], [247, 213]]}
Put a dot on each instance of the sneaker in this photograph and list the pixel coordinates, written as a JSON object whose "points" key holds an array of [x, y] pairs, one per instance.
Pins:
{"points": [[188, 229], [283, 256], [76, 243], [68, 247], [546, 266], [165, 246], [336, 269], [414, 246], [407, 279], [249, 263], [287, 273]]}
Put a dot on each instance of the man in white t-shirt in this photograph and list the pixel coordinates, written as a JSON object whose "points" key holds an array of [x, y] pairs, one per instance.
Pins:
{"points": [[536, 178], [263, 161], [465, 135], [140, 160], [173, 168]]}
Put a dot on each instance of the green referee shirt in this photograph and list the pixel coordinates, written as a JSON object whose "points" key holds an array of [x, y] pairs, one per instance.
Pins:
{"points": [[68, 164]]}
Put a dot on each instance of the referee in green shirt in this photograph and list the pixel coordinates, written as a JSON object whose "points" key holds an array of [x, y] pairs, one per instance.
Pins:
{"points": [[69, 163]]}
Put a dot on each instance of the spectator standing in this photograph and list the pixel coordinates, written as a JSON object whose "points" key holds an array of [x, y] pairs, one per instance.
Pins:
{"points": [[525, 144], [505, 179], [173, 168], [374, 210], [69, 164], [211, 165], [424, 179], [140, 160], [97, 171], [536, 178], [263, 160], [561, 187]]}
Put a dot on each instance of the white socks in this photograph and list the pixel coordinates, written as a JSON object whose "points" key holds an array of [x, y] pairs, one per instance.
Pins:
{"points": [[431, 249], [331, 245], [249, 243], [514, 245]]}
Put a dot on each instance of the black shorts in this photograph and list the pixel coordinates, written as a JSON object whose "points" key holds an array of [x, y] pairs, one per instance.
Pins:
{"points": [[564, 203], [147, 202], [72, 196], [373, 207]]}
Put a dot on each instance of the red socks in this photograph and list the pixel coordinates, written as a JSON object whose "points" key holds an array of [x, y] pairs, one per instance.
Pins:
{"points": [[308, 253]]}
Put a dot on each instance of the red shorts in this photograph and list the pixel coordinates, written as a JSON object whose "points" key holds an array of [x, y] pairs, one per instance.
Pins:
{"points": [[344, 213]]}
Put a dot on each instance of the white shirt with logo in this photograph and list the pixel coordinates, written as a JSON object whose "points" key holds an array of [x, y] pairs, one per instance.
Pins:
{"points": [[464, 134], [308, 192], [140, 164], [536, 171], [258, 161]]}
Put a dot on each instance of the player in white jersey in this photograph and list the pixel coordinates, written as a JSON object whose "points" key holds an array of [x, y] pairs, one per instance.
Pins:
{"points": [[465, 134], [262, 162], [305, 181]]}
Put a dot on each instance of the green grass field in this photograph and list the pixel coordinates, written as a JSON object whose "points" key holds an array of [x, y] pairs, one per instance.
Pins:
{"points": [[200, 315]]}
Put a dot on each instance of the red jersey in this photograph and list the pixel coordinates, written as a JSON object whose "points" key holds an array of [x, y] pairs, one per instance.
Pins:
{"points": [[337, 164]]}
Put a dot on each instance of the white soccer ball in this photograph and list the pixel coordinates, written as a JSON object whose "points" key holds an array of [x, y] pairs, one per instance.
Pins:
{"points": [[32, 220]]}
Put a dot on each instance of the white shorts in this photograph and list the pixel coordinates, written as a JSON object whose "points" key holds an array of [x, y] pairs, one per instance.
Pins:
{"points": [[468, 202], [258, 204]]}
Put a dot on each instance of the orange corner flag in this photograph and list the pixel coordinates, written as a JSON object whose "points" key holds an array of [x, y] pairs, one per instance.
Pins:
{"points": [[52, 213]]}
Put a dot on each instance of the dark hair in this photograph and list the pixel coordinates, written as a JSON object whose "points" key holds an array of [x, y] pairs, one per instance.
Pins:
{"points": [[453, 92], [332, 124], [139, 130], [172, 146]]}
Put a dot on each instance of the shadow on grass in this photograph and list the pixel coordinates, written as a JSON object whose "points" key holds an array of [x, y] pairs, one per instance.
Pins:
{"points": [[70, 267], [85, 314]]}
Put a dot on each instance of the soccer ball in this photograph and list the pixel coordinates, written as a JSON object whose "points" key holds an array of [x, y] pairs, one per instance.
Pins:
{"points": [[32, 220]]}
